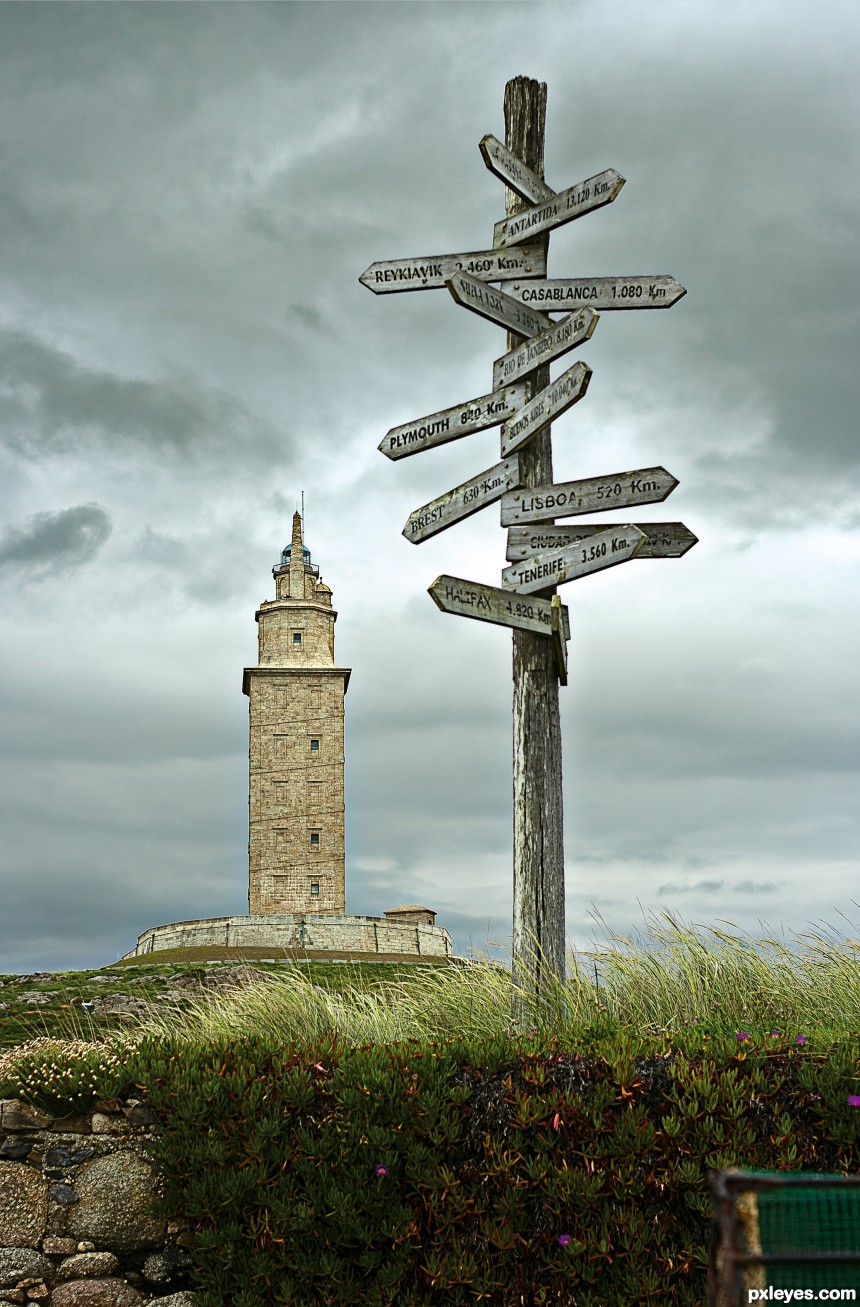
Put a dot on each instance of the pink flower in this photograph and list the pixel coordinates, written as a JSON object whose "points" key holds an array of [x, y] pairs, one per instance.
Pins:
{"points": [[742, 1034], [380, 1169], [564, 1240], [801, 1039], [854, 1100]]}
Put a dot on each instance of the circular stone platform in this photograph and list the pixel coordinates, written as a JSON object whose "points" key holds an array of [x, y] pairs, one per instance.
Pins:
{"points": [[323, 933]]}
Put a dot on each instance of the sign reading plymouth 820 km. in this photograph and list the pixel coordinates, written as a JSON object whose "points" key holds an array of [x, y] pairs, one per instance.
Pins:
{"points": [[451, 423]]}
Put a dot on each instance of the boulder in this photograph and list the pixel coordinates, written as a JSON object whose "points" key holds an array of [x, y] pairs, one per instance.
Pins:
{"points": [[114, 1194], [111, 1292], [18, 1264], [24, 1209]]}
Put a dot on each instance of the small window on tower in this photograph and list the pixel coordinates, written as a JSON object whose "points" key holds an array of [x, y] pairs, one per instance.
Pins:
{"points": [[315, 839], [315, 888], [315, 746], [297, 637]]}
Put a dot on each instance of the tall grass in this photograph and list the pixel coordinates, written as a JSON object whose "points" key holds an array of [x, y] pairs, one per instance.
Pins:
{"points": [[705, 977]]}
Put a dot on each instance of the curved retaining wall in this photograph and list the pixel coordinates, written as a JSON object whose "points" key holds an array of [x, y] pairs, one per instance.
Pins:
{"points": [[328, 933]]}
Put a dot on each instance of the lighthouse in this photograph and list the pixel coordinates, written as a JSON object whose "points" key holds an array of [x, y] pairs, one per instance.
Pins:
{"points": [[296, 692]]}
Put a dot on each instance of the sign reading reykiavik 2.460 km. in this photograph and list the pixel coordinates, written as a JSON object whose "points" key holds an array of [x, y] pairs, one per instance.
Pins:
{"points": [[542, 555]]}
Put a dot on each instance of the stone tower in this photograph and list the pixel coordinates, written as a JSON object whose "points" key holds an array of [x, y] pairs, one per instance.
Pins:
{"points": [[295, 702]]}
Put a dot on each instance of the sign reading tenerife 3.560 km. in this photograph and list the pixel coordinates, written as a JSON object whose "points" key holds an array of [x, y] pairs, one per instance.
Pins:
{"points": [[542, 555]]}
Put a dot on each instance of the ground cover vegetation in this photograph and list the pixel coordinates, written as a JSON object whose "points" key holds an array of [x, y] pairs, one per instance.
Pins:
{"points": [[369, 1134]]}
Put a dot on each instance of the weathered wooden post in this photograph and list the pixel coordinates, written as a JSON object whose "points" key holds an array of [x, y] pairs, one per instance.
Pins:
{"points": [[524, 401], [539, 933]]}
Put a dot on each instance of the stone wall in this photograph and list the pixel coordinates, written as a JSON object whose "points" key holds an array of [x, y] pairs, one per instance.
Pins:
{"points": [[75, 1229], [332, 934]]}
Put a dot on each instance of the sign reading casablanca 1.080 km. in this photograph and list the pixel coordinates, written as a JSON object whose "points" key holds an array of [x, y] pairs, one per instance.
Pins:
{"points": [[604, 293]]}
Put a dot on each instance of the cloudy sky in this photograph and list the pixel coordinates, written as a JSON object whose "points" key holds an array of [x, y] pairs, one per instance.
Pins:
{"points": [[188, 196]]}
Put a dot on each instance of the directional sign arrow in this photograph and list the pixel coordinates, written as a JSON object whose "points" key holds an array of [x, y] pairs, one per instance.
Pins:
{"points": [[662, 539], [659, 292], [612, 545], [462, 501], [451, 423], [514, 172], [543, 407], [550, 344], [648, 485], [487, 603], [559, 639], [593, 193], [431, 271], [496, 305]]}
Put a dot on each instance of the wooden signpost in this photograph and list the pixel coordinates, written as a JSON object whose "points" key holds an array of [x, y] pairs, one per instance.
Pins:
{"points": [[649, 485], [452, 423], [549, 403], [563, 207], [604, 293], [607, 548], [662, 539], [539, 350], [495, 305], [433, 270], [489, 603], [541, 554], [462, 501]]}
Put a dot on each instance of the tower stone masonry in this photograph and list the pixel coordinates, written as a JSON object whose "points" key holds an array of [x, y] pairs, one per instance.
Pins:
{"points": [[296, 857]]}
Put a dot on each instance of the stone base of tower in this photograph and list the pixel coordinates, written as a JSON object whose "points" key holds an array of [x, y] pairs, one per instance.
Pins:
{"points": [[327, 934]]}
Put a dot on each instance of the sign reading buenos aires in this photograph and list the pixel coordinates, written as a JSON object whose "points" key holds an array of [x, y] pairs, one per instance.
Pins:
{"points": [[451, 423], [431, 271], [543, 407]]}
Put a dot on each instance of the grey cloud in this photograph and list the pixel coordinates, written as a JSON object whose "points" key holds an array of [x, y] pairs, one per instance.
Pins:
{"points": [[54, 404], [66, 539], [700, 887]]}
